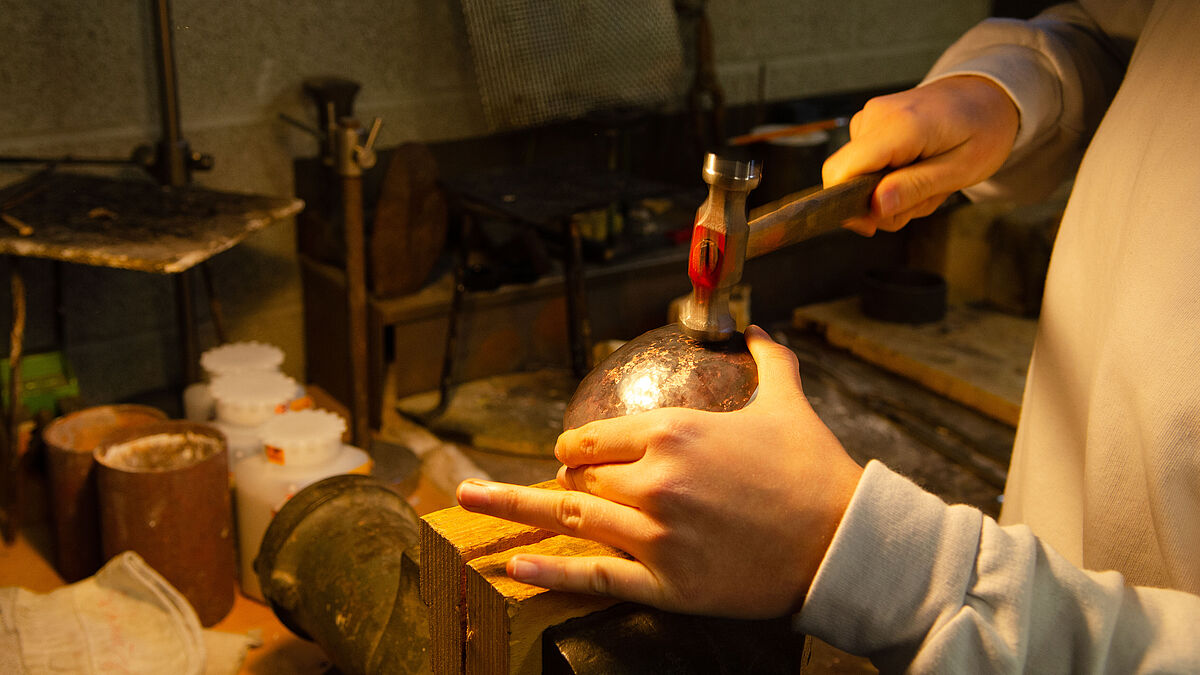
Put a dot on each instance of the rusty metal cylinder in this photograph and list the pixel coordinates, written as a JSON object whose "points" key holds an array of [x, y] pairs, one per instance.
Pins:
{"points": [[70, 441], [164, 494]]}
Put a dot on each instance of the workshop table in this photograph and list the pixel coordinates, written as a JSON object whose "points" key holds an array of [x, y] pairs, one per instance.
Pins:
{"points": [[126, 224]]}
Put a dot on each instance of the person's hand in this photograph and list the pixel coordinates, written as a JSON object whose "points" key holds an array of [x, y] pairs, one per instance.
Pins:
{"points": [[947, 135], [724, 514]]}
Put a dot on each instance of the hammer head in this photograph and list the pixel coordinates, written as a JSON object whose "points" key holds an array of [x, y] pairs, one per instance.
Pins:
{"points": [[718, 249]]}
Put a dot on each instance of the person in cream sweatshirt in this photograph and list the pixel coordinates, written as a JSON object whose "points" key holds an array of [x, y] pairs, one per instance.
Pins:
{"points": [[1094, 565]]}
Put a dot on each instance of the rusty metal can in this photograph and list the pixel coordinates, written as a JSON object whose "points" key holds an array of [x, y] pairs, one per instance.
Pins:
{"points": [[70, 440], [164, 493]]}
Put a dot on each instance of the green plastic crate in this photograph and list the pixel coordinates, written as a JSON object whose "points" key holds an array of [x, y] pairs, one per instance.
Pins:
{"points": [[45, 378]]}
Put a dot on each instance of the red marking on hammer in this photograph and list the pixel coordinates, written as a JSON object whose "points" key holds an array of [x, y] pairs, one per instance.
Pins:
{"points": [[704, 260]]}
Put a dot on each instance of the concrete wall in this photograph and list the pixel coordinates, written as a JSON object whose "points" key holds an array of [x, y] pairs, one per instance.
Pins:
{"points": [[78, 77]]}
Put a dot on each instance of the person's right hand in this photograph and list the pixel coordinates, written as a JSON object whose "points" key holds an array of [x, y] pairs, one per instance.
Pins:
{"points": [[938, 138]]}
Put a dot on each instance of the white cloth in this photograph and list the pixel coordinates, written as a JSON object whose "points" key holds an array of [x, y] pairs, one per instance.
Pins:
{"points": [[1106, 466], [124, 619]]}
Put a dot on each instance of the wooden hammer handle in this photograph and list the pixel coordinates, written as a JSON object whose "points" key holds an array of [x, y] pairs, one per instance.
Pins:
{"points": [[813, 214]]}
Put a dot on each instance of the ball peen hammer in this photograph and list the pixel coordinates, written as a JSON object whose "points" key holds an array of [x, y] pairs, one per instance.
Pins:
{"points": [[722, 240]]}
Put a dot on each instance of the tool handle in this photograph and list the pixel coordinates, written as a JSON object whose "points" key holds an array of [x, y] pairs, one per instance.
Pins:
{"points": [[808, 216]]}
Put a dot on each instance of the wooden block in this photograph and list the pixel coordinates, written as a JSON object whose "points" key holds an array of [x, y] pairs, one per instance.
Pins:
{"points": [[451, 538], [976, 357], [505, 618]]}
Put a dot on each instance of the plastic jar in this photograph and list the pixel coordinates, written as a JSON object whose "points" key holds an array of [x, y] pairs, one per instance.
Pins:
{"points": [[300, 448], [243, 402], [228, 359]]}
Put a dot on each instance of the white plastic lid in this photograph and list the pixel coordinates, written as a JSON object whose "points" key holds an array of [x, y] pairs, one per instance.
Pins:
{"points": [[241, 357], [249, 399], [265, 388], [303, 437]]}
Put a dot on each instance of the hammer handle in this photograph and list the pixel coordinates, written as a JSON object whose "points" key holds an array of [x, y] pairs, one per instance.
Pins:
{"points": [[808, 216]]}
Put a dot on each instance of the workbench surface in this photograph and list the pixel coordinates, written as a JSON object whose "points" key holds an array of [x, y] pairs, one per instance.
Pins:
{"points": [[130, 224]]}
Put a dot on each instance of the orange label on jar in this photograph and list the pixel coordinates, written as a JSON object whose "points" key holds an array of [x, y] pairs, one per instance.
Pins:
{"points": [[274, 454], [302, 403]]}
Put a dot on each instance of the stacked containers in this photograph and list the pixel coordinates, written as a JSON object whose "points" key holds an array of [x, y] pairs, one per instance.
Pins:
{"points": [[244, 402], [228, 359], [300, 448]]}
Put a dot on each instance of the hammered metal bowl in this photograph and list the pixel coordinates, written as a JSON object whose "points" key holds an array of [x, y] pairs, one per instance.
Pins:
{"points": [[665, 368]]}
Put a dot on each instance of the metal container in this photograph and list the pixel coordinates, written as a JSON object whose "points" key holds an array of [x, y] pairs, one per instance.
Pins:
{"points": [[164, 493], [70, 440], [665, 368], [339, 565]]}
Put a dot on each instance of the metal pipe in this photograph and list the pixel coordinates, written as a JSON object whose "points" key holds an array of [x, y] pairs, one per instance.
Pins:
{"points": [[349, 161], [172, 149], [356, 296]]}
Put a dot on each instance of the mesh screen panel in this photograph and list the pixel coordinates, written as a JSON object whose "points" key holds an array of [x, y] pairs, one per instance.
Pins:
{"points": [[545, 60]]}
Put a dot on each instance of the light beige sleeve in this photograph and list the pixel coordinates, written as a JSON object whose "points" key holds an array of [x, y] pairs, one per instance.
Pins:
{"points": [[915, 584], [1062, 69]]}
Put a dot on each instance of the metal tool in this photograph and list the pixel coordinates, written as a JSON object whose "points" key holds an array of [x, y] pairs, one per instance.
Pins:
{"points": [[722, 240], [792, 130]]}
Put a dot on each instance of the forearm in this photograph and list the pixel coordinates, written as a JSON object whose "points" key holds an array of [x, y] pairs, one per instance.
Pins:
{"points": [[914, 583]]}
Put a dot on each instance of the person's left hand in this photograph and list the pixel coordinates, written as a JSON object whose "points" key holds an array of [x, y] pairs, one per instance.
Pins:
{"points": [[725, 514]]}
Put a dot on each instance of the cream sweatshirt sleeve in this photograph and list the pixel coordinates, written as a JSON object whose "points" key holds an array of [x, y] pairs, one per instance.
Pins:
{"points": [[913, 583], [1062, 69]]}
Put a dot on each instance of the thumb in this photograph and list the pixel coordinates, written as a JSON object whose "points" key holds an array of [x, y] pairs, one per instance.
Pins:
{"points": [[778, 369]]}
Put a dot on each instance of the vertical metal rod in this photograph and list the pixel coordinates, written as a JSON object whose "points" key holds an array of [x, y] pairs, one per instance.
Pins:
{"points": [[356, 295], [172, 148], [186, 316], [60, 309], [579, 327], [214, 303], [466, 223]]}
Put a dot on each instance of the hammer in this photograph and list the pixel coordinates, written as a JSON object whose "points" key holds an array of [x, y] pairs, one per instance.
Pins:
{"points": [[722, 240]]}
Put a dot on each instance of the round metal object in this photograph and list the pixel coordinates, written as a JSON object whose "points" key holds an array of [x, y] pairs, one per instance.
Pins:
{"points": [[339, 566], [665, 368], [731, 174]]}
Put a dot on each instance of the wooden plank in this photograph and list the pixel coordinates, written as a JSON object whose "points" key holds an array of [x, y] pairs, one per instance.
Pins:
{"points": [[505, 618], [974, 356], [451, 538]]}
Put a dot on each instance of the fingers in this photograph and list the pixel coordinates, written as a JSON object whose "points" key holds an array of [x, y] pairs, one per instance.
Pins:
{"points": [[905, 187], [939, 138], [868, 225], [778, 369], [603, 441], [621, 483], [611, 576], [576, 514]]}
